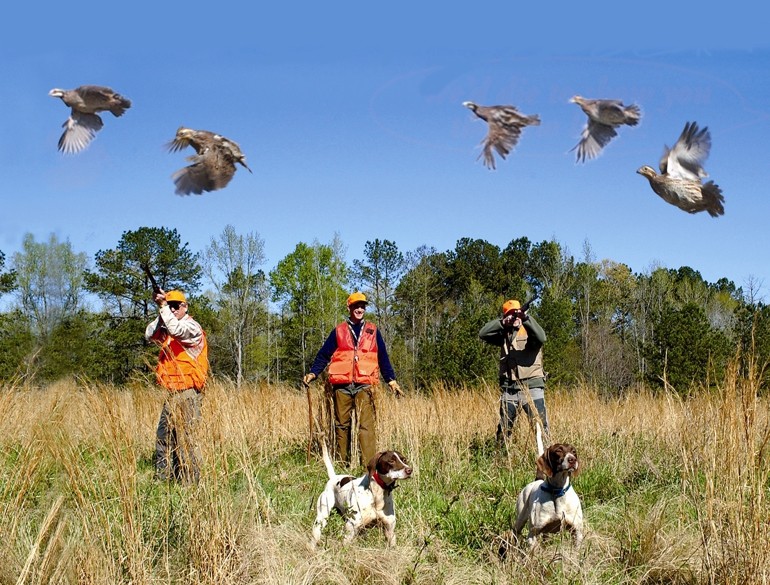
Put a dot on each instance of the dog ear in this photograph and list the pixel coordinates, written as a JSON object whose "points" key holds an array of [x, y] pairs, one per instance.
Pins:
{"points": [[372, 467], [544, 465]]}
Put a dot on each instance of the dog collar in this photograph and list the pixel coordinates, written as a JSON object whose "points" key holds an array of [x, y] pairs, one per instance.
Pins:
{"points": [[381, 483], [554, 491]]}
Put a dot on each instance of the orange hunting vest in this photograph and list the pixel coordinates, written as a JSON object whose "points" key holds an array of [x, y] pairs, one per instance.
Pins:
{"points": [[355, 364], [179, 368]]}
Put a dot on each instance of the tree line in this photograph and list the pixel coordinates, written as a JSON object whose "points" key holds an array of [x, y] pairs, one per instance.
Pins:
{"points": [[607, 325]]}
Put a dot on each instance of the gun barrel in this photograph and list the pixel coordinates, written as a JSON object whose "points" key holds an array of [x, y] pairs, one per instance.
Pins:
{"points": [[525, 306], [153, 282]]}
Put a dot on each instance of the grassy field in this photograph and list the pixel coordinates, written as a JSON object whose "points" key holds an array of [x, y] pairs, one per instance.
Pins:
{"points": [[673, 490]]}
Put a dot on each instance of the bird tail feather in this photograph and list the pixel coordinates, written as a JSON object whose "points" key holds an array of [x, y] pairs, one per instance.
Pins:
{"points": [[712, 195]]}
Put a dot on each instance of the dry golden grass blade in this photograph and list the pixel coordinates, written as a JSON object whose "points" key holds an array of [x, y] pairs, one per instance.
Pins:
{"points": [[248, 521], [51, 520]]}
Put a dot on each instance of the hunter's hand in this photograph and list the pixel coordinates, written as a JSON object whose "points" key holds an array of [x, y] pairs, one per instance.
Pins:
{"points": [[396, 388], [308, 378], [160, 297]]}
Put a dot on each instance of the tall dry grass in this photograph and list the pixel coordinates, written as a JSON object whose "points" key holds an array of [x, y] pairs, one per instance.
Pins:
{"points": [[674, 490]]}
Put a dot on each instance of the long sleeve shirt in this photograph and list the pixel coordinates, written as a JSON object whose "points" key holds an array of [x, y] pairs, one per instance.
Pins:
{"points": [[324, 355], [185, 330], [521, 352]]}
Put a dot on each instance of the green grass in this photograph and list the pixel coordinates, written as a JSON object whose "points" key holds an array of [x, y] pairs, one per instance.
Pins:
{"points": [[670, 493]]}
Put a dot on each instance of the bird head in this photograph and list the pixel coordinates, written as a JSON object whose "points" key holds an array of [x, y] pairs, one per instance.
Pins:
{"points": [[181, 139], [56, 92], [470, 106], [647, 171], [184, 133], [576, 99]]}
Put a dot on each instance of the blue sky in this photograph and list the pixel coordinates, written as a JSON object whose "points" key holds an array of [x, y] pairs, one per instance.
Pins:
{"points": [[352, 122]]}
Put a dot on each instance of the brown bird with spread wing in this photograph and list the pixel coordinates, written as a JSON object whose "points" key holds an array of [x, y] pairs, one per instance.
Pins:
{"points": [[681, 170], [603, 117], [212, 167], [505, 125], [84, 122]]}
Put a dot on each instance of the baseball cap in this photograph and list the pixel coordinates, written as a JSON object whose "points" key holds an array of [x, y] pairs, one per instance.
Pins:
{"points": [[175, 295], [357, 297], [511, 305]]}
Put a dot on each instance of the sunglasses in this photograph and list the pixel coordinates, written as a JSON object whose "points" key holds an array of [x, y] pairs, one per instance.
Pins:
{"points": [[174, 305]]}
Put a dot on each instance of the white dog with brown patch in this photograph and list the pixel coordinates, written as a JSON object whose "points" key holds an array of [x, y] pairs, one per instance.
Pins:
{"points": [[551, 504], [364, 500]]}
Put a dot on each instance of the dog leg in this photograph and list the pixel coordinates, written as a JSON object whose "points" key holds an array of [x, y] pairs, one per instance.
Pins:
{"points": [[522, 515], [389, 523], [352, 524], [323, 509]]}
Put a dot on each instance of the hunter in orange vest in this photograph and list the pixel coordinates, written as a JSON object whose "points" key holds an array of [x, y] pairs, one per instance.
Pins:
{"points": [[356, 355], [182, 369]]}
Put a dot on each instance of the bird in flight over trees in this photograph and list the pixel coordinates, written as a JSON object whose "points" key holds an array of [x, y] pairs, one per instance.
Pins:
{"points": [[213, 165], [505, 125], [603, 117], [84, 122], [681, 170]]}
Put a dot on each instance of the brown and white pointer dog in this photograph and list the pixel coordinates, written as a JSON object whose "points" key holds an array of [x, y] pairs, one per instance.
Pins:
{"points": [[362, 500], [551, 504]]}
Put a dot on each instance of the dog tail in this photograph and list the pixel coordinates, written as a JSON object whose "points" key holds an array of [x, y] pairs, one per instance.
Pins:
{"points": [[327, 459], [539, 438]]}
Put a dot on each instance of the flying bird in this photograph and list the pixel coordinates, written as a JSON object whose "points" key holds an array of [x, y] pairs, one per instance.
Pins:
{"points": [[603, 117], [505, 125], [213, 165], [84, 122], [681, 170]]}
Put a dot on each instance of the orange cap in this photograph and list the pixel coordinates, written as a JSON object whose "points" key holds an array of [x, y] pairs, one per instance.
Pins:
{"points": [[357, 297], [512, 305], [175, 295]]}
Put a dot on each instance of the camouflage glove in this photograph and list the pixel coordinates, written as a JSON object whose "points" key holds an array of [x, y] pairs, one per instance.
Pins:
{"points": [[396, 388], [308, 378]]}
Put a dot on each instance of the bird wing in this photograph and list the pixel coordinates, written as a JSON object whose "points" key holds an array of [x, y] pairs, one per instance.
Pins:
{"points": [[685, 159], [97, 98], [210, 171], [509, 117], [614, 113], [500, 138], [504, 129], [594, 138], [95, 94], [505, 126], [233, 151], [193, 178], [177, 144], [79, 130]]}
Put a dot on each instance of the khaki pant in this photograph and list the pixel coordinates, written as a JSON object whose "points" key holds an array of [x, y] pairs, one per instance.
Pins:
{"points": [[176, 449], [512, 402], [363, 402]]}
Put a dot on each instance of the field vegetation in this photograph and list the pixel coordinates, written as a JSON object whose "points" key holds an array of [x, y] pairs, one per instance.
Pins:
{"points": [[654, 374], [674, 489]]}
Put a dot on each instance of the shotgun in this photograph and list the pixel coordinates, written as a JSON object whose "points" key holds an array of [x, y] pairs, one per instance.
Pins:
{"points": [[155, 287], [525, 306]]}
